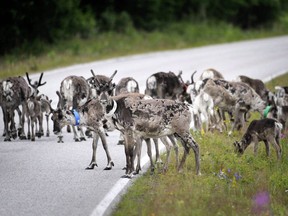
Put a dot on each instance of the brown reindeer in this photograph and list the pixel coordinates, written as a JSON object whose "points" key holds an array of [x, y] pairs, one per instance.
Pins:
{"points": [[266, 130]]}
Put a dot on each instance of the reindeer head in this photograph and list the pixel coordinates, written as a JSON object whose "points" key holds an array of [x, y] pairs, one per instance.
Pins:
{"points": [[103, 85], [238, 147], [243, 144]]}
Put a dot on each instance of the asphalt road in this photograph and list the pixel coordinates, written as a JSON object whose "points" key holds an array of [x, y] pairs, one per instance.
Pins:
{"points": [[49, 178]]}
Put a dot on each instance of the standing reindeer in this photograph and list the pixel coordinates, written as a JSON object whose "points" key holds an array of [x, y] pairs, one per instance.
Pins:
{"points": [[15, 92], [164, 85], [90, 115], [142, 119], [74, 92], [34, 111]]}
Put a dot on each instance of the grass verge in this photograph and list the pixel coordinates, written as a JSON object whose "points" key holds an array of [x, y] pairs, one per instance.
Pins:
{"points": [[229, 184]]}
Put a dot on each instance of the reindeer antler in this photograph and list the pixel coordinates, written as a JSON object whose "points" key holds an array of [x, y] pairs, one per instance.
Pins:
{"points": [[36, 84], [95, 78], [111, 78], [28, 79], [40, 79], [192, 76], [180, 76]]}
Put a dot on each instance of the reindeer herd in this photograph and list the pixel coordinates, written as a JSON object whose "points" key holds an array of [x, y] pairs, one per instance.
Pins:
{"points": [[168, 110]]}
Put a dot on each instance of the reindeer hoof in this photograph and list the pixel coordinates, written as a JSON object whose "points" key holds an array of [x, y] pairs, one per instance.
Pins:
{"points": [[7, 139], [33, 139], [109, 166], [120, 142], [91, 166], [129, 176], [82, 139], [76, 139], [22, 137], [47, 134], [60, 141]]}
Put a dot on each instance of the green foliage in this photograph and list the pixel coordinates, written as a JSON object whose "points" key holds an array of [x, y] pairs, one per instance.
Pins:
{"points": [[48, 22], [229, 185], [39, 56]]}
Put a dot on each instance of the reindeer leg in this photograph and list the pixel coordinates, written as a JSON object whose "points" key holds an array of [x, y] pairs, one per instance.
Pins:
{"points": [[32, 129], [82, 136], [21, 131], [110, 163], [94, 148], [6, 119], [188, 141], [267, 146], [277, 147], [156, 144], [149, 152], [47, 121], [176, 149], [137, 152], [168, 151], [76, 137], [29, 132], [129, 151]]}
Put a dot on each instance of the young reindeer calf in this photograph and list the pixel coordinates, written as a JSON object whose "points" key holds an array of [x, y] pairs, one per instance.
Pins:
{"points": [[267, 130]]}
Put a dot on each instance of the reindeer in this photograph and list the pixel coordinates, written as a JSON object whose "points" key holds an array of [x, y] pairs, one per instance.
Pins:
{"points": [[99, 83], [15, 92], [281, 95], [126, 85], [245, 99], [164, 85], [74, 92], [90, 115], [150, 118], [211, 74], [256, 84], [266, 130], [34, 111], [45, 108]]}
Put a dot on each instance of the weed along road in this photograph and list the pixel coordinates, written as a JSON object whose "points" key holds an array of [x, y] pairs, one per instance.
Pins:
{"points": [[47, 178]]}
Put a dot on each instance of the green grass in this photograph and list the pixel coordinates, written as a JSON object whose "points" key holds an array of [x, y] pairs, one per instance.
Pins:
{"points": [[39, 57], [234, 192]]}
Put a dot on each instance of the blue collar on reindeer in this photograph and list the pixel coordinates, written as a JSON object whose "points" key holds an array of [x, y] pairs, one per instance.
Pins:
{"points": [[77, 117]]}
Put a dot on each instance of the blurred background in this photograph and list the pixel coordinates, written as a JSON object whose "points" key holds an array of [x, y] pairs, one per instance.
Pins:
{"points": [[39, 34]]}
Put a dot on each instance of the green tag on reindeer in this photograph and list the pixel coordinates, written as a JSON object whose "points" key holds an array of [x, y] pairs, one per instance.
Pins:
{"points": [[266, 111]]}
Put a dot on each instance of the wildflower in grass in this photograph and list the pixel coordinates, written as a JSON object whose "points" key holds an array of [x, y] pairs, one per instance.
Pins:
{"points": [[261, 203], [237, 176]]}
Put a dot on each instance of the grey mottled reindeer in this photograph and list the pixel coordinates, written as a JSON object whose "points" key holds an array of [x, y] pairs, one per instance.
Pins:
{"points": [[90, 115], [14, 93], [153, 118], [266, 130]]}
